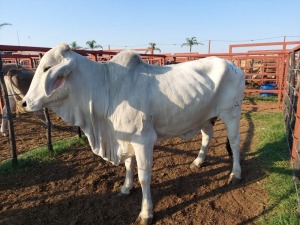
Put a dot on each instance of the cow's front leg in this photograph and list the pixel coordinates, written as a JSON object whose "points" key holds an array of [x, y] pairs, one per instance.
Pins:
{"points": [[128, 183], [207, 133], [144, 158], [143, 148]]}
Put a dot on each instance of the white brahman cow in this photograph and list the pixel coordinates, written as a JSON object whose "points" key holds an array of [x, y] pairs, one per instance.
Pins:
{"points": [[125, 105], [17, 82]]}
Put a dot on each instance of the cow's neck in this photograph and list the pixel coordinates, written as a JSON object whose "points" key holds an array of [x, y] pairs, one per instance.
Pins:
{"points": [[88, 109], [88, 94]]}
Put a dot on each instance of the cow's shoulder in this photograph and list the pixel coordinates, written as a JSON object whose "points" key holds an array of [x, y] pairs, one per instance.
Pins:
{"points": [[127, 58]]}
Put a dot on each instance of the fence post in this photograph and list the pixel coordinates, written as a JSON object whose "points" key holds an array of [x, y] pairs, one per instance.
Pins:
{"points": [[48, 132], [297, 159], [48, 122], [79, 132], [12, 140]]}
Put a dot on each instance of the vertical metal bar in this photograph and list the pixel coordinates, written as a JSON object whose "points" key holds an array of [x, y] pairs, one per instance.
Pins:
{"points": [[48, 132], [12, 140], [281, 77], [48, 123]]}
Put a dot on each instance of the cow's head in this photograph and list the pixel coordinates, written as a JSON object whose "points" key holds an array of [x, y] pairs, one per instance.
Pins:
{"points": [[48, 84]]}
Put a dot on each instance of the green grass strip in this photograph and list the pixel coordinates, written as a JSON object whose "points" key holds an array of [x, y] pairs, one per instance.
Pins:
{"points": [[274, 158], [40, 155]]}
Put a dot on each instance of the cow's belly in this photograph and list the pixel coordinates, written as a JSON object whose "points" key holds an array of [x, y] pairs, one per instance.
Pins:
{"points": [[185, 125], [164, 134]]}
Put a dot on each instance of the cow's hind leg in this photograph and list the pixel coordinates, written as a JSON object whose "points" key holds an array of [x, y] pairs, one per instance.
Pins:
{"points": [[232, 119], [207, 133], [128, 183]]}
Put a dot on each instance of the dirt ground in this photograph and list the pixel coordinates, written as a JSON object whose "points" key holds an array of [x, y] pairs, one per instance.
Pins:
{"points": [[80, 188]]}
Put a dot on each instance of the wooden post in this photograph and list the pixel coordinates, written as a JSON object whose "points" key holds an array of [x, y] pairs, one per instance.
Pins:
{"points": [[12, 140], [48, 133], [79, 132]]}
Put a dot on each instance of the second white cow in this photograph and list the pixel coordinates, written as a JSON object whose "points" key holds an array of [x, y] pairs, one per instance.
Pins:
{"points": [[125, 105]]}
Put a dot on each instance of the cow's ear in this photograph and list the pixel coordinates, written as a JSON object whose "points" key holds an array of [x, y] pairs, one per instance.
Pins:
{"points": [[57, 75]]}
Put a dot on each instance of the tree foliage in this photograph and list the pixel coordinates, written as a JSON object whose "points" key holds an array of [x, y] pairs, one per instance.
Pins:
{"points": [[74, 45], [93, 45], [152, 47], [190, 42]]}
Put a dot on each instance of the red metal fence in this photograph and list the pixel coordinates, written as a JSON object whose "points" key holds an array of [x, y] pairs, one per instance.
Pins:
{"points": [[291, 105]]}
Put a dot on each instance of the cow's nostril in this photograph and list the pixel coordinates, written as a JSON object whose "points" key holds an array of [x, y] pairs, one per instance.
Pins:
{"points": [[24, 104]]}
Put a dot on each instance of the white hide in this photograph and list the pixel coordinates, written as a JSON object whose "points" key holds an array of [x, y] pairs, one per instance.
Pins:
{"points": [[125, 105]]}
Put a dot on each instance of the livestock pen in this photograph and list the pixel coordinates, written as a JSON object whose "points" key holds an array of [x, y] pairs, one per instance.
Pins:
{"points": [[278, 67]]}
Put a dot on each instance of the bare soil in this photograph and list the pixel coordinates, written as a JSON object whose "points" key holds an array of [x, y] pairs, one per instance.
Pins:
{"points": [[78, 187]]}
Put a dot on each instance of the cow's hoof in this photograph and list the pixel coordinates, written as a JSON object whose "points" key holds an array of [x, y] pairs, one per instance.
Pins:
{"points": [[4, 134], [233, 180], [120, 194], [194, 166], [143, 221]]}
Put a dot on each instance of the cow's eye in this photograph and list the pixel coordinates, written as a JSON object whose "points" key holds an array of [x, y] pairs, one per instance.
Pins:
{"points": [[47, 68]]}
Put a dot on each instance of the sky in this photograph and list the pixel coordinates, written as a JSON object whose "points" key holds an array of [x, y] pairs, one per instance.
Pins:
{"points": [[122, 24]]}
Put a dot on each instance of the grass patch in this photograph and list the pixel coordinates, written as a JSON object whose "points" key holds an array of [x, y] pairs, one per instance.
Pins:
{"points": [[250, 99], [40, 155], [274, 158]]}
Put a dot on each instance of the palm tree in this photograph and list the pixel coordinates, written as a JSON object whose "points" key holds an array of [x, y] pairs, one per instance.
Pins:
{"points": [[4, 24], [74, 45], [152, 47], [92, 45], [191, 42]]}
